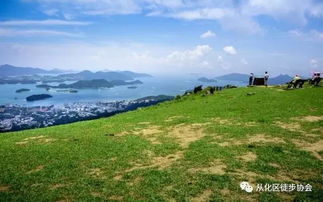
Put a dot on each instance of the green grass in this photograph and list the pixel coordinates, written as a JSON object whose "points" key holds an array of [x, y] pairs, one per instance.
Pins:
{"points": [[260, 138]]}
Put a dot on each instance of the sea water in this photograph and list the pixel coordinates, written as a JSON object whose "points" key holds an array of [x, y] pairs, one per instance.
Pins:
{"points": [[151, 86]]}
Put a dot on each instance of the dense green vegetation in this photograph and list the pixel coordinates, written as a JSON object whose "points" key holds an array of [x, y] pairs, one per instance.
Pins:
{"points": [[195, 148]]}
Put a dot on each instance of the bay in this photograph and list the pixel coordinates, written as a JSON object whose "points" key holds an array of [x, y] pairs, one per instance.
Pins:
{"points": [[151, 86]]}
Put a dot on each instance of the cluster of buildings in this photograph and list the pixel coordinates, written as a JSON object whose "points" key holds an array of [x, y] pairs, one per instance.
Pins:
{"points": [[16, 117]]}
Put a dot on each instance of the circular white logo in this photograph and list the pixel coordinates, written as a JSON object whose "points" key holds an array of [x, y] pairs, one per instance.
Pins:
{"points": [[246, 187]]}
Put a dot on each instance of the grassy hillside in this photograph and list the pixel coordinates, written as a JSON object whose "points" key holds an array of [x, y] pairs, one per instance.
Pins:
{"points": [[197, 148]]}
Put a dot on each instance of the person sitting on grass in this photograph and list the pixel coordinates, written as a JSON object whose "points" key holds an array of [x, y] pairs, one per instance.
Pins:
{"points": [[316, 79], [295, 79], [293, 83]]}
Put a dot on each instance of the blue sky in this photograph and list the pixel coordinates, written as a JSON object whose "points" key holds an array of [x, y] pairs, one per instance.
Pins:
{"points": [[164, 36]]}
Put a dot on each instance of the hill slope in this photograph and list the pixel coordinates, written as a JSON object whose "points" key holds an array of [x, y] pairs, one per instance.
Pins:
{"points": [[197, 148]]}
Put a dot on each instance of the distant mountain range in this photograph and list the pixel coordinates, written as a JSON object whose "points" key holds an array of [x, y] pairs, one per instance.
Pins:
{"points": [[10, 70], [109, 76], [234, 77], [23, 72], [280, 79], [206, 80]]}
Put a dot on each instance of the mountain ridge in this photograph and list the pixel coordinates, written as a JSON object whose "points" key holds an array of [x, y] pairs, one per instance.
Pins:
{"points": [[10, 70], [277, 80]]}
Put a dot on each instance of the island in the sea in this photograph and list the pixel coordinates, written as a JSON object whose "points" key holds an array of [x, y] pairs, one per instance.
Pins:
{"points": [[22, 90], [94, 83], [207, 80], [38, 97], [66, 91]]}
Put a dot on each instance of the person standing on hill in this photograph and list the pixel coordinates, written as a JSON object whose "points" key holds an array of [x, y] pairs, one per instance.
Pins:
{"points": [[266, 77], [251, 77]]}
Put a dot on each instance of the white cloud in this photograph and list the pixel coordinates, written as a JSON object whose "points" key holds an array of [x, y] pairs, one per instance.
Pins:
{"points": [[230, 50], [189, 57], [208, 34], [231, 14], [244, 61], [121, 56], [35, 32], [152, 59], [51, 12], [316, 34], [204, 13], [312, 35], [42, 23], [295, 32], [313, 62], [241, 24]]}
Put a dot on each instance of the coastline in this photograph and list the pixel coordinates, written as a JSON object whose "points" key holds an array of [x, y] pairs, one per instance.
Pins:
{"points": [[15, 117]]}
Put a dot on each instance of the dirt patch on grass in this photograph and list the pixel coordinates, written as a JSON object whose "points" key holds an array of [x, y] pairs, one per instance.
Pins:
{"points": [[217, 167], [256, 138], [56, 186], [96, 172], [22, 143], [274, 165], [37, 139], [117, 177], [295, 127], [186, 134], [150, 133], [135, 181], [248, 157], [246, 175], [37, 169], [45, 140], [152, 130], [281, 175], [173, 118], [223, 121], [96, 194], [34, 138], [314, 148], [161, 162], [225, 192], [203, 197], [311, 135], [165, 161], [311, 118], [144, 123], [116, 198], [231, 122], [265, 139], [4, 188], [320, 130]]}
